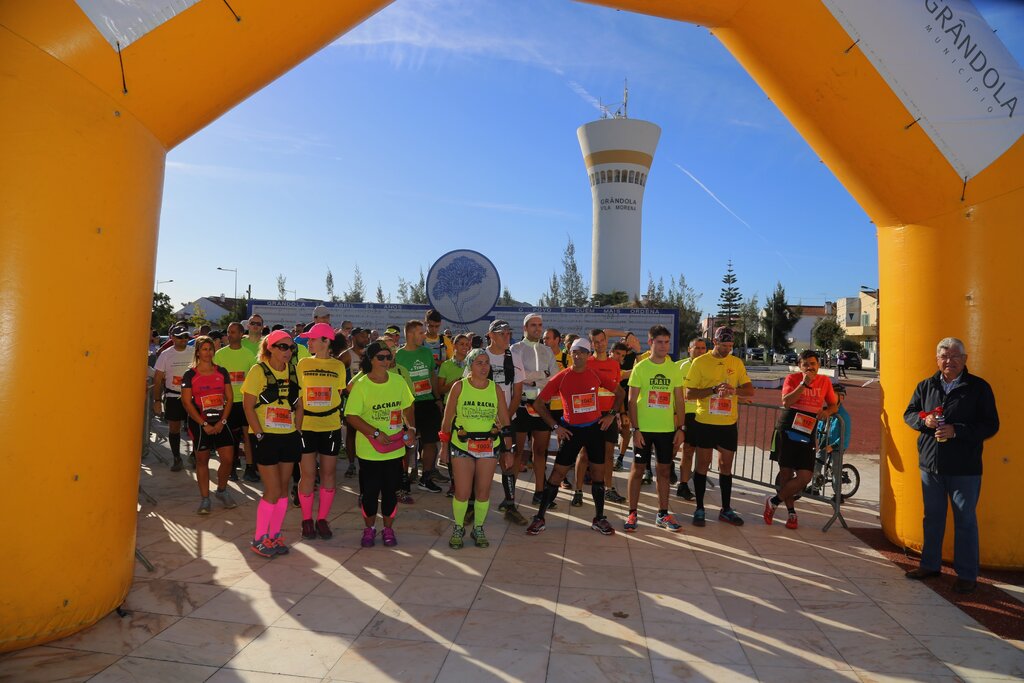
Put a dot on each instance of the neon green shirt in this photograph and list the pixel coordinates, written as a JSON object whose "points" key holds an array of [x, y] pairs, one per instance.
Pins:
{"points": [[656, 402], [381, 405], [237, 362]]}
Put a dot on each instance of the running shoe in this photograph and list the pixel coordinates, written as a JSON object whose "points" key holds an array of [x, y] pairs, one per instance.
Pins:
{"points": [[577, 499], [404, 498], [177, 465], [617, 466], [406, 484], [388, 537], [536, 526], [225, 498], [769, 510], [730, 516], [204, 506], [426, 483], [538, 496], [667, 522], [279, 545], [264, 547], [251, 475], [699, 517], [515, 516], [438, 475], [234, 475], [613, 496], [684, 492], [479, 537], [308, 529], [505, 505], [323, 529], [791, 522], [602, 525], [369, 534], [566, 484], [351, 471], [648, 477], [630, 523], [455, 542], [295, 496]]}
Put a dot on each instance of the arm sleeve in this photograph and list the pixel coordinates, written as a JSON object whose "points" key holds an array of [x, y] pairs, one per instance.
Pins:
{"points": [[912, 415]]}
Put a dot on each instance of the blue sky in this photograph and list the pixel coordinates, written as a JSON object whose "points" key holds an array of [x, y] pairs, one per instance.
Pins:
{"points": [[443, 124]]}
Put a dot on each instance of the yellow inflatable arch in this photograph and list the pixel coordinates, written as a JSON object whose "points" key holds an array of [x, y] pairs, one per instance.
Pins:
{"points": [[95, 92]]}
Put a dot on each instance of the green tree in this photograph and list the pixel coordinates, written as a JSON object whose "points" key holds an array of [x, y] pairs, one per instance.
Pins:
{"points": [[615, 298], [506, 298], [357, 290], [198, 317], [780, 319], [418, 290], [828, 334], [573, 289], [282, 282], [686, 300], [553, 297], [655, 295], [163, 313], [749, 318], [729, 300], [380, 294], [329, 285], [238, 312]]}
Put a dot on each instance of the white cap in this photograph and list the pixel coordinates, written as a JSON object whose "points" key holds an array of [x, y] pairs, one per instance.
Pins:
{"points": [[581, 343], [530, 316]]}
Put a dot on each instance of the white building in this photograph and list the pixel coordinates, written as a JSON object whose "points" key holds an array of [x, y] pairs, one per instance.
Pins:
{"points": [[213, 308], [618, 153]]}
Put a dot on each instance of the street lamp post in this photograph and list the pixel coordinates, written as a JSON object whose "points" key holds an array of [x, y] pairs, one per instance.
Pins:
{"points": [[161, 282], [878, 324], [235, 271], [295, 294]]}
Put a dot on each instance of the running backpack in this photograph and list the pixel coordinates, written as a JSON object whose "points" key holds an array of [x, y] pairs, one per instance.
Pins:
{"points": [[509, 367], [272, 392]]}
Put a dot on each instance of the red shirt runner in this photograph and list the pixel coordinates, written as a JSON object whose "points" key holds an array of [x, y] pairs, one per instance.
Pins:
{"points": [[578, 391]]}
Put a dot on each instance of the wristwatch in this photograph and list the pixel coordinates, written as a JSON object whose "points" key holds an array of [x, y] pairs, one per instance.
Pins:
{"points": [[633, 430], [376, 433]]}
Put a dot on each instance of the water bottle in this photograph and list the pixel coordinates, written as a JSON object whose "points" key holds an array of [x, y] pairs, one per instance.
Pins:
{"points": [[940, 420]]}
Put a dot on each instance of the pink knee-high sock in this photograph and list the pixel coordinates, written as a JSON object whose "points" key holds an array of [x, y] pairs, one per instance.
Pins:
{"points": [[326, 501], [264, 511], [306, 503], [277, 519]]}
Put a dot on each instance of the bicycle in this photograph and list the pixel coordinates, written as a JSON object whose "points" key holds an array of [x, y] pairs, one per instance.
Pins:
{"points": [[849, 478]]}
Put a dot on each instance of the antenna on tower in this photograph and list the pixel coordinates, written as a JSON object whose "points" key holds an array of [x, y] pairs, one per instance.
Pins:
{"points": [[625, 98]]}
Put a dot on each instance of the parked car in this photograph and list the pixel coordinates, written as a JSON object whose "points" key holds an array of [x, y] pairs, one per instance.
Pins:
{"points": [[785, 357], [853, 361], [755, 354]]}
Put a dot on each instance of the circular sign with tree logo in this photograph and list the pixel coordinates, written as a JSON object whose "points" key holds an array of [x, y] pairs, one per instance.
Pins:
{"points": [[463, 286]]}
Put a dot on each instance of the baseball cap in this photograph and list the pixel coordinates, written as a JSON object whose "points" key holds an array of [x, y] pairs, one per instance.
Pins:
{"points": [[317, 331], [839, 389], [723, 334], [531, 316], [392, 329], [216, 334], [581, 344], [277, 336], [180, 331], [357, 330], [320, 311], [499, 326]]}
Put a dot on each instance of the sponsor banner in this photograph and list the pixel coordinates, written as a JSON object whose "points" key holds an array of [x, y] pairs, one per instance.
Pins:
{"points": [[122, 22], [950, 70]]}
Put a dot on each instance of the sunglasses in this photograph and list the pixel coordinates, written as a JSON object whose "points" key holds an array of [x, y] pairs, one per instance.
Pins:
{"points": [[383, 356], [284, 347], [255, 324]]}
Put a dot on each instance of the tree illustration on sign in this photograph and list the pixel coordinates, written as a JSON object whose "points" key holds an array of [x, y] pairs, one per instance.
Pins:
{"points": [[457, 281]]}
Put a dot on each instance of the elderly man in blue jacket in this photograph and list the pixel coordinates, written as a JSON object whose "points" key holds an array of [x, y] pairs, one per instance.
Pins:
{"points": [[949, 452]]}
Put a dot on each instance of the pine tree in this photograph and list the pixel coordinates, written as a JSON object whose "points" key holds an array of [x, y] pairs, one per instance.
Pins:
{"points": [[418, 291], [574, 291], [553, 297], [357, 290], [282, 282], [506, 298], [380, 294], [730, 298], [329, 285], [780, 318]]}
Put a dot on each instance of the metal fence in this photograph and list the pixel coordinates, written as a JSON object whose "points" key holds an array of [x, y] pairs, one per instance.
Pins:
{"points": [[753, 463]]}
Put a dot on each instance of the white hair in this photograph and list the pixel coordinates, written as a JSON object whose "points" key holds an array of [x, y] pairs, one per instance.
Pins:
{"points": [[950, 343]]}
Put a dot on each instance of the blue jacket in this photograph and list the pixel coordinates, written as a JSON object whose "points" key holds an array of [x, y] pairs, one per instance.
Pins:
{"points": [[833, 432]]}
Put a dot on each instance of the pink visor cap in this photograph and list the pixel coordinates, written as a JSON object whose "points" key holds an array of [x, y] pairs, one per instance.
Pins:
{"points": [[277, 336], [317, 331]]}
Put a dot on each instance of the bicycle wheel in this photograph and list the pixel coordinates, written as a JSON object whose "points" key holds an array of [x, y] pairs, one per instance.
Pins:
{"points": [[849, 481]]}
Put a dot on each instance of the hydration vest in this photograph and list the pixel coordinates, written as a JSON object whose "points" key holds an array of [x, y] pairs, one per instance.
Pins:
{"points": [[272, 392]]}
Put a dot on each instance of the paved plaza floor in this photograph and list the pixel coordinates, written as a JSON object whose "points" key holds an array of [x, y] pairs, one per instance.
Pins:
{"points": [[721, 603]]}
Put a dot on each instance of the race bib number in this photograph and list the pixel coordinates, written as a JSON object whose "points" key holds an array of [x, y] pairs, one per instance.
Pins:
{"points": [[421, 387], [318, 397], [480, 446], [237, 378], [212, 402], [584, 403], [279, 418], [396, 419], [530, 411], [720, 405], [176, 381], [804, 423], [661, 400]]}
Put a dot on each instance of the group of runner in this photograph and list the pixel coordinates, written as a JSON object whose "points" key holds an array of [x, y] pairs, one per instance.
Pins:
{"points": [[290, 403]]}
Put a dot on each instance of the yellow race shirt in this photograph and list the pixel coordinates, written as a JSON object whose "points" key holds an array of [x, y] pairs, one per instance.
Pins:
{"points": [[708, 371], [656, 402], [381, 405], [321, 382], [684, 366], [275, 418]]}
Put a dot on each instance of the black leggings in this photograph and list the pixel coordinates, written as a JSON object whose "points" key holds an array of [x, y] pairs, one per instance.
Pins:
{"points": [[379, 479]]}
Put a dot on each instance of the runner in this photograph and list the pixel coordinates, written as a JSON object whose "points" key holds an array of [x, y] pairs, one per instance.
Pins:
{"points": [[632, 348], [321, 379], [715, 380], [419, 363], [450, 372], [255, 334], [539, 365], [208, 399], [606, 367], [237, 360], [507, 372], [433, 339], [804, 394], [171, 366], [379, 406], [273, 410], [697, 348], [553, 340], [476, 425], [582, 426], [656, 411]]}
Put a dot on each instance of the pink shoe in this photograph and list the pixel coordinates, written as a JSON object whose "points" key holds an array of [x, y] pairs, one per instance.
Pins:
{"points": [[388, 536], [369, 533]]}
